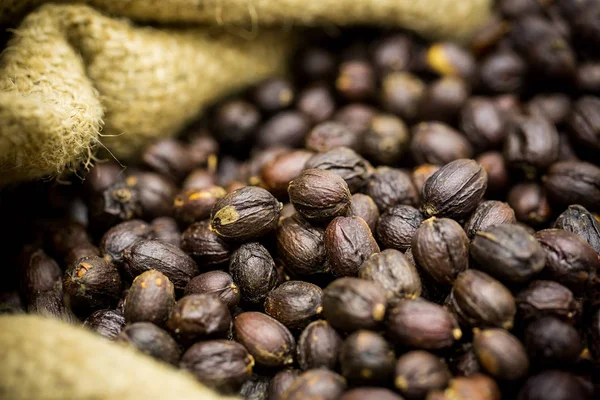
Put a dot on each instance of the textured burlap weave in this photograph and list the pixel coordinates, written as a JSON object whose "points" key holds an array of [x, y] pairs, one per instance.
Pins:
{"points": [[44, 359]]}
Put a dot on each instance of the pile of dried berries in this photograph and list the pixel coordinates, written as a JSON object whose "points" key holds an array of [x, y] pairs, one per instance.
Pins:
{"points": [[399, 220]]}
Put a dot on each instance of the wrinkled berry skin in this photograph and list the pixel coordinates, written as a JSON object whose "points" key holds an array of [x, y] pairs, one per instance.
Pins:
{"points": [[348, 244], [454, 190], [320, 195], [245, 214]]}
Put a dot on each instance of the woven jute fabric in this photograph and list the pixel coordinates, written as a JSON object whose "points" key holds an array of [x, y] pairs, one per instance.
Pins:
{"points": [[44, 359], [74, 79], [433, 18]]}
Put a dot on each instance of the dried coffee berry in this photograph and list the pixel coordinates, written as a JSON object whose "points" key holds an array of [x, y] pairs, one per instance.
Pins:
{"points": [[122, 236], [393, 53], [317, 103], [542, 45], [402, 94], [356, 80], [418, 372], [320, 195], [300, 246], [90, 284], [281, 382], [483, 123], [542, 298], [204, 245], [487, 214], [422, 324], [440, 247], [495, 166], [449, 59], [579, 220], [588, 77], [530, 204], [150, 339], [392, 272], [155, 193], [503, 71], [277, 174], [294, 303], [481, 301], [370, 393], [593, 334], [166, 230], [267, 340], [532, 143], [245, 214], [386, 140], [350, 304], [145, 255], [466, 364], [550, 341], [397, 226], [367, 358], [107, 323], [356, 117], [477, 386], [286, 128], [255, 388], [118, 202], [202, 150], [330, 134], [39, 273], [222, 365], [346, 163], [391, 186], [218, 283], [554, 385], [501, 354], [168, 157], [253, 271], [199, 316], [235, 121], [66, 236], [437, 143], [363, 206], [318, 383], [195, 204], [574, 182], [554, 107], [273, 94], [570, 260], [100, 177], [444, 98], [318, 346], [150, 298], [198, 179], [259, 158], [508, 252], [51, 303], [455, 190], [348, 243]]}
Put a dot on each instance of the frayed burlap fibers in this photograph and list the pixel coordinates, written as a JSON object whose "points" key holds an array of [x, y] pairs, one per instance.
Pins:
{"points": [[74, 80]]}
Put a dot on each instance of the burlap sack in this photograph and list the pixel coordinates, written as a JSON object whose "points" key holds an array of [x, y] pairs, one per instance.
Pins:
{"points": [[73, 80], [44, 359]]}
